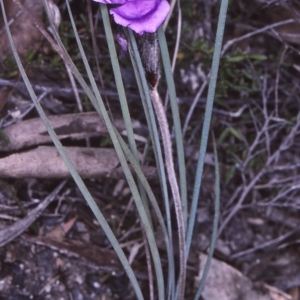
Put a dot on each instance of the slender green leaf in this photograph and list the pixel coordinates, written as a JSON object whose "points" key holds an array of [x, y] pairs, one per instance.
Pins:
{"points": [[207, 118], [136, 196], [215, 224], [72, 169], [145, 96]]}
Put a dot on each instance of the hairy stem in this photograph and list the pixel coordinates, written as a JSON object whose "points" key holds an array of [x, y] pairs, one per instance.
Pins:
{"points": [[167, 145]]}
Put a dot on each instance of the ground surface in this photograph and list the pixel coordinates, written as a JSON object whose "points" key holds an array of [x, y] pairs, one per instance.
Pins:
{"points": [[256, 125]]}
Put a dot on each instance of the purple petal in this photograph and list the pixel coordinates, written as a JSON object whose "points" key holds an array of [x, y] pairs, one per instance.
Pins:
{"points": [[111, 1], [141, 15]]}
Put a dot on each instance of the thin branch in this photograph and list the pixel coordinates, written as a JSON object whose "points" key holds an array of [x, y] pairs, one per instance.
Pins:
{"points": [[250, 34]]}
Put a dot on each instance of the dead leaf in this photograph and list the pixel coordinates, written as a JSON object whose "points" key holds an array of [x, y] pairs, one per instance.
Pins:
{"points": [[226, 283], [14, 230], [74, 126], [134, 250], [59, 232], [45, 162], [294, 292]]}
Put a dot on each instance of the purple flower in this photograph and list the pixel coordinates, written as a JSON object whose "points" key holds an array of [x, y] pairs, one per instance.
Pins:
{"points": [[111, 1], [139, 15]]}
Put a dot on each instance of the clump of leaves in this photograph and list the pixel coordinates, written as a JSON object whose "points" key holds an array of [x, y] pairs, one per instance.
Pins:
{"points": [[239, 74], [8, 68]]}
